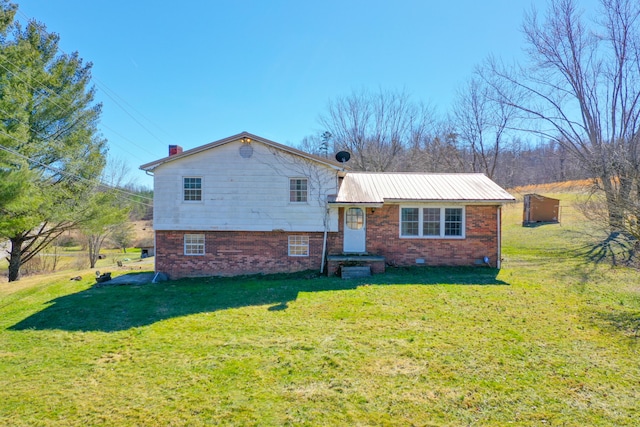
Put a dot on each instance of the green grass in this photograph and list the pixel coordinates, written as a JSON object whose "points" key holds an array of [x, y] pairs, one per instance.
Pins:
{"points": [[551, 339]]}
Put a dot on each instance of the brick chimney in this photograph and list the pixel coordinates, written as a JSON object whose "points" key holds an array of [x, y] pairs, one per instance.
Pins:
{"points": [[174, 149]]}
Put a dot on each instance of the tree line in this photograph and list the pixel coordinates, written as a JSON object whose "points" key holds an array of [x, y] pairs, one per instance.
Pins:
{"points": [[440, 148]]}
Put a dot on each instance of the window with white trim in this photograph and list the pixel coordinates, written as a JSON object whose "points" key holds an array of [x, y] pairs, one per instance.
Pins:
{"points": [[298, 245], [433, 222], [194, 244], [453, 222], [298, 190], [192, 189], [410, 222]]}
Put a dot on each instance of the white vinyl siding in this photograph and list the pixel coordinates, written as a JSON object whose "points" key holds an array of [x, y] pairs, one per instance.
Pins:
{"points": [[298, 245], [432, 222], [242, 194], [194, 244]]}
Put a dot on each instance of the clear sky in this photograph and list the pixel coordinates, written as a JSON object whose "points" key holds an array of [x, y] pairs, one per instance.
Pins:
{"points": [[192, 72]]}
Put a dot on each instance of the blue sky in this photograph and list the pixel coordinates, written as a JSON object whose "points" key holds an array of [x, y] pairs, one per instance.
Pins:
{"points": [[192, 72]]}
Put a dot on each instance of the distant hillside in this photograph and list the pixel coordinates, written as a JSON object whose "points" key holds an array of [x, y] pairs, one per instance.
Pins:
{"points": [[143, 233], [553, 187]]}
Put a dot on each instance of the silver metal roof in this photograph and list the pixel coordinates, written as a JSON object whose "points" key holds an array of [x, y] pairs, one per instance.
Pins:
{"points": [[377, 188]]}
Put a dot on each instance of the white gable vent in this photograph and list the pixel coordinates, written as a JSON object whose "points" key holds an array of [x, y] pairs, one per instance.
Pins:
{"points": [[246, 151]]}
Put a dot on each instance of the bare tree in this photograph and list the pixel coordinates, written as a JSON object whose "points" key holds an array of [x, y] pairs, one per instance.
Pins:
{"points": [[123, 235], [482, 122], [314, 144], [106, 214], [117, 173], [377, 128], [582, 89], [436, 151]]}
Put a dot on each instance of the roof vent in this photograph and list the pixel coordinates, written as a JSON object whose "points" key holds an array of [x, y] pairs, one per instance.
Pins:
{"points": [[174, 149], [246, 151]]}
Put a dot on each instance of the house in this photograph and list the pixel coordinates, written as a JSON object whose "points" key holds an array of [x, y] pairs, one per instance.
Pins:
{"points": [[539, 209], [247, 205]]}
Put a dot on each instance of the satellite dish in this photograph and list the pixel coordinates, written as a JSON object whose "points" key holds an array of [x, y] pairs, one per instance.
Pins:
{"points": [[343, 156]]}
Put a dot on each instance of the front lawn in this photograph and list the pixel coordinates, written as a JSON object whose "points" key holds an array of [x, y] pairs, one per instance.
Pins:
{"points": [[551, 339]]}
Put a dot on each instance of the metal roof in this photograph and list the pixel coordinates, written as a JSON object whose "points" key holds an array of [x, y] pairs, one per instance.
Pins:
{"points": [[377, 188]]}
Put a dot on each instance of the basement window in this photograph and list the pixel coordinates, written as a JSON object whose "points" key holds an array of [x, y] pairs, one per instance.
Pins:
{"points": [[298, 245], [194, 244]]}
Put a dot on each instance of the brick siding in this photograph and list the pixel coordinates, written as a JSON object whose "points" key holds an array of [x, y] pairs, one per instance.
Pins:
{"points": [[383, 238], [235, 253], [230, 253]]}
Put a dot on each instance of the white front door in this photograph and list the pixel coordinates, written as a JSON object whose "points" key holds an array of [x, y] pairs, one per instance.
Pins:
{"points": [[355, 230]]}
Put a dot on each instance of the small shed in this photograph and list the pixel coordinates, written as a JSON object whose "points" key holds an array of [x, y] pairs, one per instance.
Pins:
{"points": [[147, 251], [538, 209]]}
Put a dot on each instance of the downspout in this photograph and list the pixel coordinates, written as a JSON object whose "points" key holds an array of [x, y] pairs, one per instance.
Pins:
{"points": [[326, 226], [327, 214], [155, 248], [499, 259], [324, 240]]}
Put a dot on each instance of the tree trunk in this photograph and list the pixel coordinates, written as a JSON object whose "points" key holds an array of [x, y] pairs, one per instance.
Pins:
{"points": [[615, 204], [94, 249], [15, 258]]}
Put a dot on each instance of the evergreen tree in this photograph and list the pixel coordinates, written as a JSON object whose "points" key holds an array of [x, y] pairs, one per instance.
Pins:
{"points": [[50, 150]]}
